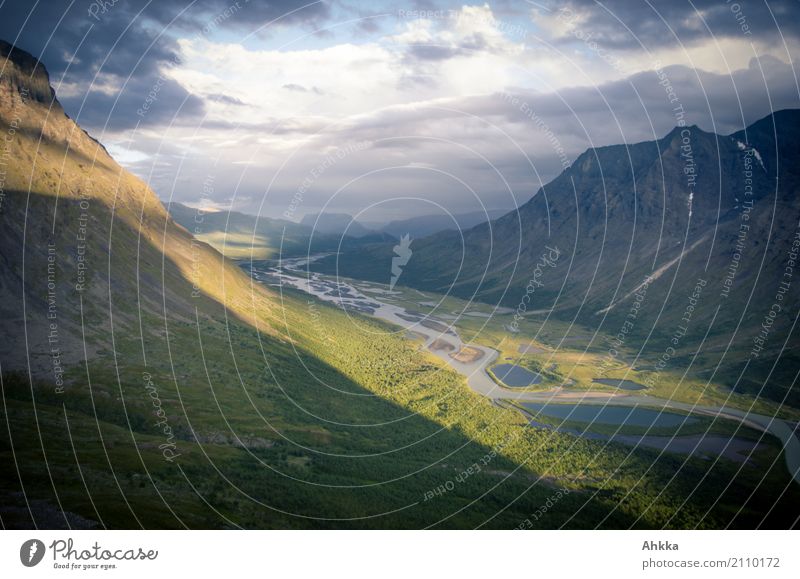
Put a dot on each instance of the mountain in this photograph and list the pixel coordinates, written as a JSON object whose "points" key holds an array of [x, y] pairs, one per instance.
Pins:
{"points": [[420, 226], [335, 224], [425, 225], [242, 236], [692, 205]]}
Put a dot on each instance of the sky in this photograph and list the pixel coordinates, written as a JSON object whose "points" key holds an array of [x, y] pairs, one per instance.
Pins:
{"points": [[387, 110]]}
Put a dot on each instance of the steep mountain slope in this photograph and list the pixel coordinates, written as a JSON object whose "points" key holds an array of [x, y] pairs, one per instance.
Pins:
{"points": [[335, 224], [691, 208], [83, 235]]}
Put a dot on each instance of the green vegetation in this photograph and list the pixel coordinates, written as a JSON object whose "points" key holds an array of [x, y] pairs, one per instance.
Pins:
{"points": [[697, 425], [419, 427]]}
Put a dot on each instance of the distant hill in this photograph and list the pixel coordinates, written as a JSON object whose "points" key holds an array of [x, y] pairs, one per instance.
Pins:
{"points": [[419, 226], [425, 225], [335, 224]]}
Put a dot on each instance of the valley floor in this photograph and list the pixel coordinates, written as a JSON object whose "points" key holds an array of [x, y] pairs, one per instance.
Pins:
{"points": [[439, 336]]}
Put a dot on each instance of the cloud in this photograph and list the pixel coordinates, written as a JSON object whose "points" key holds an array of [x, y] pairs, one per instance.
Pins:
{"points": [[87, 42], [295, 87], [593, 42], [479, 105], [624, 24], [491, 149], [144, 100], [300, 88], [466, 32], [226, 99]]}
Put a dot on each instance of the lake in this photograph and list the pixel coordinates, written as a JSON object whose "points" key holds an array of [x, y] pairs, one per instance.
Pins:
{"points": [[624, 384], [515, 376]]}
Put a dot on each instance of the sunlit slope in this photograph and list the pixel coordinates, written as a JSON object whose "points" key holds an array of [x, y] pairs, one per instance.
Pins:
{"points": [[90, 237]]}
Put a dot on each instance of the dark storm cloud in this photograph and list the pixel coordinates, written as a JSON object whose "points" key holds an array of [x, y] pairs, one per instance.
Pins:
{"points": [[300, 88], [125, 40], [148, 102], [639, 108], [227, 99], [466, 47], [626, 24]]}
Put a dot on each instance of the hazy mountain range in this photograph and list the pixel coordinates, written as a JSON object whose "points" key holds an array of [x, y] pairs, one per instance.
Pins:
{"points": [[419, 226], [243, 236]]}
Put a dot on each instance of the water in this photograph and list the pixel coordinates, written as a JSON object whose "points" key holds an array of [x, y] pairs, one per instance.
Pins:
{"points": [[624, 384], [615, 415], [515, 376]]}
